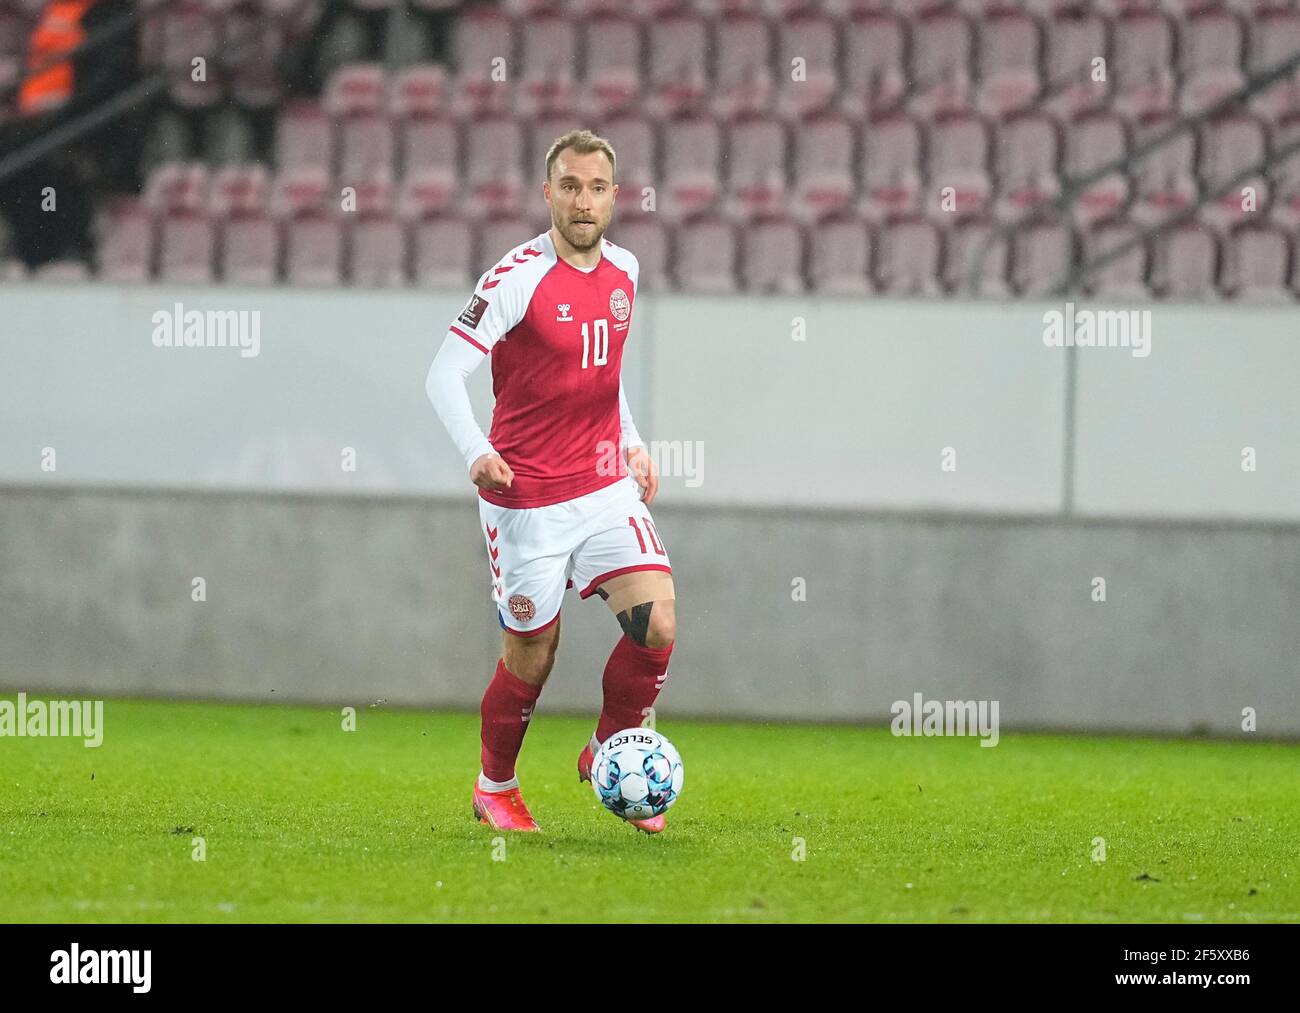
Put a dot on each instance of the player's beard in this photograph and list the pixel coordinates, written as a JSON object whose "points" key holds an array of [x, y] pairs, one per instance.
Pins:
{"points": [[577, 239]]}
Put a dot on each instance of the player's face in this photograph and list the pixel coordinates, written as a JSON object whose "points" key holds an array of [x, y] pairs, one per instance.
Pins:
{"points": [[581, 197]]}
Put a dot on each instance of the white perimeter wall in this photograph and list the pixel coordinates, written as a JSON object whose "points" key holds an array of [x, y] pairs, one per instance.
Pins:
{"points": [[855, 416]]}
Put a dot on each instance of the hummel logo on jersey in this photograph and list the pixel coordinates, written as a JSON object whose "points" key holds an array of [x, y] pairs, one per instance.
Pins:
{"points": [[562, 311]]}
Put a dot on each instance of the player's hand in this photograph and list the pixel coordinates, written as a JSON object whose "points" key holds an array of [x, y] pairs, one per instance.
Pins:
{"points": [[491, 473], [641, 466]]}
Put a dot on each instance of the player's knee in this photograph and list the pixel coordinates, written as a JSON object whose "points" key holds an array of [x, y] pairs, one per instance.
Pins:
{"points": [[662, 628], [531, 658], [651, 623]]}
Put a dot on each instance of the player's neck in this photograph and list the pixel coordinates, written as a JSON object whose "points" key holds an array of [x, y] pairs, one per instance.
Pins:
{"points": [[584, 259]]}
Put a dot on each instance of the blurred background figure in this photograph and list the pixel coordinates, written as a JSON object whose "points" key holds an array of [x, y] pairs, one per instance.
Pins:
{"points": [[79, 54]]}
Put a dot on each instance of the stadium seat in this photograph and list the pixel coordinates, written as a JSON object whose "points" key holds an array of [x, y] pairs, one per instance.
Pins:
{"points": [[972, 245], [908, 258], [254, 43], [366, 145], [890, 167], [757, 154], [483, 83], [498, 235], [840, 257], [772, 256], [648, 238], [420, 90], [377, 254], [548, 83], [705, 259], [743, 67], [1142, 66], [940, 64], [1274, 38], [810, 38], [357, 89], [187, 31], [678, 48], [250, 249], [1211, 58], [304, 157], [824, 181], [959, 183], [177, 186], [1008, 45], [185, 248], [875, 65], [430, 156], [691, 158], [1042, 257], [1076, 39], [443, 253], [1185, 263], [1229, 147], [1124, 277], [1164, 179], [1092, 142], [126, 252], [313, 252], [636, 144], [493, 179], [1285, 175], [612, 58], [1028, 152], [1256, 264]]}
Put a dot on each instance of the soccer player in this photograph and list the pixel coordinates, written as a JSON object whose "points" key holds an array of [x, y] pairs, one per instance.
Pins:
{"points": [[564, 479]]}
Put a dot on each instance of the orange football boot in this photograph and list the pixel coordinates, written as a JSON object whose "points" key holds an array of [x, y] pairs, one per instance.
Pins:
{"points": [[503, 810]]}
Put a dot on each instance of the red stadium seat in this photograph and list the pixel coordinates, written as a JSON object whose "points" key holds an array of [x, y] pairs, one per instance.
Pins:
{"points": [[907, 263], [890, 168], [840, 257], [772, 256]]}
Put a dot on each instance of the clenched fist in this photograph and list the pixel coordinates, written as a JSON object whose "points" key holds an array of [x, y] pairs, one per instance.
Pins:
{"points": [[491, 473]]}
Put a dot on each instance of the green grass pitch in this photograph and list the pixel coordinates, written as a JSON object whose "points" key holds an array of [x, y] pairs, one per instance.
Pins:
{"points": [[303, 821]]}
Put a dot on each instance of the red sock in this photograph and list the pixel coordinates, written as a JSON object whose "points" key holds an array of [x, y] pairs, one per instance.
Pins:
{"points": [[633, 677], [507, 706]]}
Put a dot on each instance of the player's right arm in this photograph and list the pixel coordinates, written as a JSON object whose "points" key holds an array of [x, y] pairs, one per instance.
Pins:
{"points": [[491, 312]]}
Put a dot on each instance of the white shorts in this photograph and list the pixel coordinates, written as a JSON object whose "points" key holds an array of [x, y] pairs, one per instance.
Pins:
{"points": [[534, 553]]}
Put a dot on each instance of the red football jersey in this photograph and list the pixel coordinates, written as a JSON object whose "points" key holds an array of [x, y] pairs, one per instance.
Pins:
{"points": [[556, 336]]}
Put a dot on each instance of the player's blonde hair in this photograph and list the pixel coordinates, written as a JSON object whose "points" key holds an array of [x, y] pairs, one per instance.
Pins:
{"points": [[584, 142]]}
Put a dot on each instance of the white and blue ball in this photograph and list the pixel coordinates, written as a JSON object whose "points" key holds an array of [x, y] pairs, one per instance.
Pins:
{"points": [[637, 774]]}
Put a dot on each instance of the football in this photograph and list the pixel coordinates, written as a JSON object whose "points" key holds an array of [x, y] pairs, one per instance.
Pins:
{"points": [[637, 774]]}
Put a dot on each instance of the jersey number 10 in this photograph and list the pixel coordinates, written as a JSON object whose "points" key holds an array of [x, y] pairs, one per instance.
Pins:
{"points": [[598, 350]]}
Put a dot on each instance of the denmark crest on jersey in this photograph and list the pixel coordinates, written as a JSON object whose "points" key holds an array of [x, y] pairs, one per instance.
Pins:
{"points": [[620, 305]]}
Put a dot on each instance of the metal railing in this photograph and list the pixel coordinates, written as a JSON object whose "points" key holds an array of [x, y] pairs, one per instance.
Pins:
{"points": [[1074, 186]]}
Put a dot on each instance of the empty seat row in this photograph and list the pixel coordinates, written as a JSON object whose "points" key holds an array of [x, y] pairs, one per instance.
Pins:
{"points": [[842, 256], [1141, 61], [892, 165]]}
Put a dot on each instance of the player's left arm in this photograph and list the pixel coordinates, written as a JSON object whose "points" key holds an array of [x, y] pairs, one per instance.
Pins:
{"points": [[640, 464]]}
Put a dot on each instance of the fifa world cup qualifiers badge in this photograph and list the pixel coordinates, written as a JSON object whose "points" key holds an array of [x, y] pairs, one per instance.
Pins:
{"points": [[473, 312]]}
